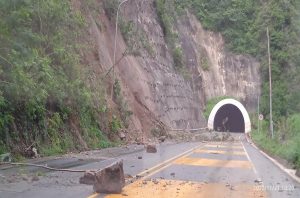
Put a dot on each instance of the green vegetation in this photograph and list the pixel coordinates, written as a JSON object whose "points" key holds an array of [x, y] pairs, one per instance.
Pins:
{"points": [[44, 97], [286, 142], [121, 118], [167, 17], [243, 24], [157, 131], [110, 7], [204, 63], [136, 39], [211, 103]]}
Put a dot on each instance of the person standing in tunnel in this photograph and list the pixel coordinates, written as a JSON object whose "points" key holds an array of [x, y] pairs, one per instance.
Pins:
{"points": [[224, 121]]}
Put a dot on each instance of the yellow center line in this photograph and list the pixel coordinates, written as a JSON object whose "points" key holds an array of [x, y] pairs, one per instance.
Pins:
{"points": [[226, 143], [214, 163], [220, 152], [145, 189], [93, 195], [224, 146], [164, 164], [147, 173]]}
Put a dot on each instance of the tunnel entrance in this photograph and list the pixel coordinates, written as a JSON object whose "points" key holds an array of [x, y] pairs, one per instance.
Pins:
{"points": [[229, 115], [229, 118]]}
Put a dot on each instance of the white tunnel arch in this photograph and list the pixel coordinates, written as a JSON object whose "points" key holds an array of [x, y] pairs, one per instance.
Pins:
{"points": [[236, 103]]}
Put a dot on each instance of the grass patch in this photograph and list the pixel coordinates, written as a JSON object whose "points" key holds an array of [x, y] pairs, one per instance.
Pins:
{"points": [[135, 38], [285, 144], [205, 63]]}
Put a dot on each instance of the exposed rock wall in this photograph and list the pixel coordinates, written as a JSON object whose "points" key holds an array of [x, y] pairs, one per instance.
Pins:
{"points": [[226, 74], [151, 86]]}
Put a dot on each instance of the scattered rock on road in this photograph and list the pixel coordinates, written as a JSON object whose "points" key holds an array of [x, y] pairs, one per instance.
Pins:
{"points": [[162, 138], [108, 180], [88, 178], [151, 148], [155, 181], [138, 176], [35, 178], [257, 181], [128, 176], [140, 157]]}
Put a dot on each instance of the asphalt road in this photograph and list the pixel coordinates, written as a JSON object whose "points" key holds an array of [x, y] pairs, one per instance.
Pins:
{"points": [[193, 169]]}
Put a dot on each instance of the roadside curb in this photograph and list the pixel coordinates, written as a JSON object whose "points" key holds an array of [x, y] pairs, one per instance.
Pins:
{"points": [[290, 172]]}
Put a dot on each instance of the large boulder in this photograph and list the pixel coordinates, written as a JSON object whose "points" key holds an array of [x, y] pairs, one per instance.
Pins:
{"points": [[108, 180], [88, 178], [151, 148]]}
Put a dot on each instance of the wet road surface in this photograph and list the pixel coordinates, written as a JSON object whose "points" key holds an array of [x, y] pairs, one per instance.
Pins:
{"points": [[192, 169], [212, 170]]}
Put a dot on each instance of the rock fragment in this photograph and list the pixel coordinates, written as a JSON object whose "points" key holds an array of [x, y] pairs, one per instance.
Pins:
{"points": [[108, 180], [122, 135], [150, 148], [88, 178], [35, 178], [162, 138]]}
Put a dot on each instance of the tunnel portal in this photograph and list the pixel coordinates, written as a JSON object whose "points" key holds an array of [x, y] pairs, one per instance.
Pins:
{"points": [[229, 118], [229, 115]]}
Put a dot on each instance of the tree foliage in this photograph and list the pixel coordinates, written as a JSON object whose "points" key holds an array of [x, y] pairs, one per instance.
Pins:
{"points": [[243, 24], [42, 87]]}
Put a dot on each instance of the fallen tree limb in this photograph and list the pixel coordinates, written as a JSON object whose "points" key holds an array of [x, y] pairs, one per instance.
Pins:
{"points": [[45, 167]]}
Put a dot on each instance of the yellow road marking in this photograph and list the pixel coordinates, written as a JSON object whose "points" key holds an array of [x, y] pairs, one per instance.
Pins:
{"points": [[226, 143], [221, 152], [93, 195], [166, 163], [207, 190], [147, 173], [224, 146], [214, 163], [183, 189]]}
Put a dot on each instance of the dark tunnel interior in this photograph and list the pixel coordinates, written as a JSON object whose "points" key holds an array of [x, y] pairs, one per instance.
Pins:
{"points": [[229, 118]]}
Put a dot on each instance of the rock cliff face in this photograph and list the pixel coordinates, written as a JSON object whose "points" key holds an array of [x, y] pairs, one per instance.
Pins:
{"points": [[153, 89], [223, 73]]}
